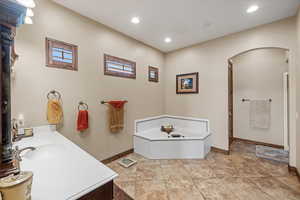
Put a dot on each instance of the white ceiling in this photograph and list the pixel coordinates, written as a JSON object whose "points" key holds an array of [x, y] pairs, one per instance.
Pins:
{"points": [[187, 22]]}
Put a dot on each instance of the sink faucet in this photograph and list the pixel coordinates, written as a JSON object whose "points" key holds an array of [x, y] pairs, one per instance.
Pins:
{"points": [[17, 152]]}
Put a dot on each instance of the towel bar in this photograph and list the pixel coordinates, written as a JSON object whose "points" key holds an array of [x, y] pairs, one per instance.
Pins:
{"points": [[104, 102], [243, 100]]}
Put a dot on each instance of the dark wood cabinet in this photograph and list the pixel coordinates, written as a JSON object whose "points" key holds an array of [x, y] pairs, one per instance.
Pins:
{"points": [[104, 192], [11, 15]]}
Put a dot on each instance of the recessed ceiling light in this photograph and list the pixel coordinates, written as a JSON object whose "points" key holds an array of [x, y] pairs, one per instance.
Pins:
{"points": [[168, 40], [252, 8], [135, 20]]}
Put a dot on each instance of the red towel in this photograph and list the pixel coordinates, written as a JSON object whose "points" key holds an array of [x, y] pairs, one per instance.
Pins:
{"points": [[117, 104], [83, 120]]}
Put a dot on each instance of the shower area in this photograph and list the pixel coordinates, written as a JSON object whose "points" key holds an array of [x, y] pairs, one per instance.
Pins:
{"points": [[258, 101]]}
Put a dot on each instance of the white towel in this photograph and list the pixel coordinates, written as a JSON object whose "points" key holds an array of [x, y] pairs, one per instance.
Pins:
{"points": [[260, 114]]}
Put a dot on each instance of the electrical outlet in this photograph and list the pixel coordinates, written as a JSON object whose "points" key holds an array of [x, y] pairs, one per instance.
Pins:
{"points": [[21, 120]]}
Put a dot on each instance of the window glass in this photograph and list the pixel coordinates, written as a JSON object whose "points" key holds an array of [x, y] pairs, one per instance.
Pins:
{"points": [[61, 55], [119, 67]]}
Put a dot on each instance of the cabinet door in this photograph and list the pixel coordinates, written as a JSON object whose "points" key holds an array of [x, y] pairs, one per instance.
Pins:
{"points": [[104, 192]]}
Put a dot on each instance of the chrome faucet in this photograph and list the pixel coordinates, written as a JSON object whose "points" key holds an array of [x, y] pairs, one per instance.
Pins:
{"points": [[17, 152]]}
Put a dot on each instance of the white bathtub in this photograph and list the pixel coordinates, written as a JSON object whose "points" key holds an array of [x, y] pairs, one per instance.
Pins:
{"points": [[152, 143]]}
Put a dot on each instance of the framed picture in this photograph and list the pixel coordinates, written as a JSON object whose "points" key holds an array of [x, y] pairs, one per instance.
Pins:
{"points": [[187, 83], [153, 74]]}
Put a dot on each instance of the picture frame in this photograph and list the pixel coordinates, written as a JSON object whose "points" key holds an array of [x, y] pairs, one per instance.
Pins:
{"points": [[187, 83], [153, 74]]}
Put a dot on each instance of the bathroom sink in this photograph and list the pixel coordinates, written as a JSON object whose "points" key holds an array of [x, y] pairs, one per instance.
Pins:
{"points": [[55, 164], [44, 152]]}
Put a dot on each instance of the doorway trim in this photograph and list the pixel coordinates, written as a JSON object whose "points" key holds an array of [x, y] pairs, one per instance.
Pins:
{"points": [[230, 94], [230, 103], [286, 111]]}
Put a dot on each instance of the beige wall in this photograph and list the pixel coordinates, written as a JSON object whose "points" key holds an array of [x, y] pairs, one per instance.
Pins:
{"points": [[210, 60], [34, 80], [258, 74]]}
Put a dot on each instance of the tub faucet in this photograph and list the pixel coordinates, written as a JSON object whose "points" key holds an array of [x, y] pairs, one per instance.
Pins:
{"points": [[17, 152]]}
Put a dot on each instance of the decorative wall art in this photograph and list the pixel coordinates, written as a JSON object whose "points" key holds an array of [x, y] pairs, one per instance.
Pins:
{"points": [[187, 83], [153, 74]]}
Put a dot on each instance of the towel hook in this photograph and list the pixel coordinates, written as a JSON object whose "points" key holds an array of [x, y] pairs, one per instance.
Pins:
{"points": [[82, 104], [54, 93]]}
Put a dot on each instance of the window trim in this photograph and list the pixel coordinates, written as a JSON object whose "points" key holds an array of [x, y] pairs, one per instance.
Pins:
{"points": [[60, 65], [156, 79], [119, 74]]}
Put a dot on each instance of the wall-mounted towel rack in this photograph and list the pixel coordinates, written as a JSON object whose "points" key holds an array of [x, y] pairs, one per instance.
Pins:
{"points": [[54, 93], [104, 102], [243, 100], [83, 105]]}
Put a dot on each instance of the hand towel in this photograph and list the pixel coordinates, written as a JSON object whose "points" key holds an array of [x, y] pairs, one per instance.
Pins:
{"points": [[260, 114], [83, 120], [54, 111], [116, 118]]}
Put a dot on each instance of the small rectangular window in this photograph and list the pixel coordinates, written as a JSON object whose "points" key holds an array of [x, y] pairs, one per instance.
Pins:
{"points": [[120, 67], [61, 55]]}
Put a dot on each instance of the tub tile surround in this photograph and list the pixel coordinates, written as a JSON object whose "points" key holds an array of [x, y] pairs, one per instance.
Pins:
{"points": [[151, 142], [238, 176], [189, 123]]}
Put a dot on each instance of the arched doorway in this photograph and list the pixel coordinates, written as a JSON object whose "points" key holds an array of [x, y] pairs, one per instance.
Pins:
{"points": [[232, 99]]}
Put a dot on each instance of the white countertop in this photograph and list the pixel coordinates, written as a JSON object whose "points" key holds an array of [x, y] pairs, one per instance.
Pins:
{"points": [[62, 170]]}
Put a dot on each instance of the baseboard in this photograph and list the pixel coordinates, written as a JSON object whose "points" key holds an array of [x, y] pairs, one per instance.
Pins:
{"points": [[116, 157], [258, 143], [218, 150], [294, 171]]}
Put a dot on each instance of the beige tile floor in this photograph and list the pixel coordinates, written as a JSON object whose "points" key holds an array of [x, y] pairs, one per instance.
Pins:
{"points": [[239, 176]]}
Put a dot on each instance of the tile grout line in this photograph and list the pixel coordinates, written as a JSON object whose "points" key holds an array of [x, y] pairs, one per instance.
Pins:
{"points": [[268, 195], [203, 196], [284, 182]]}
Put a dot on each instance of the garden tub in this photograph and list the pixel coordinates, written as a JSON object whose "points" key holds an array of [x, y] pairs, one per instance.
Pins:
{"points": [[192, 141]]}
